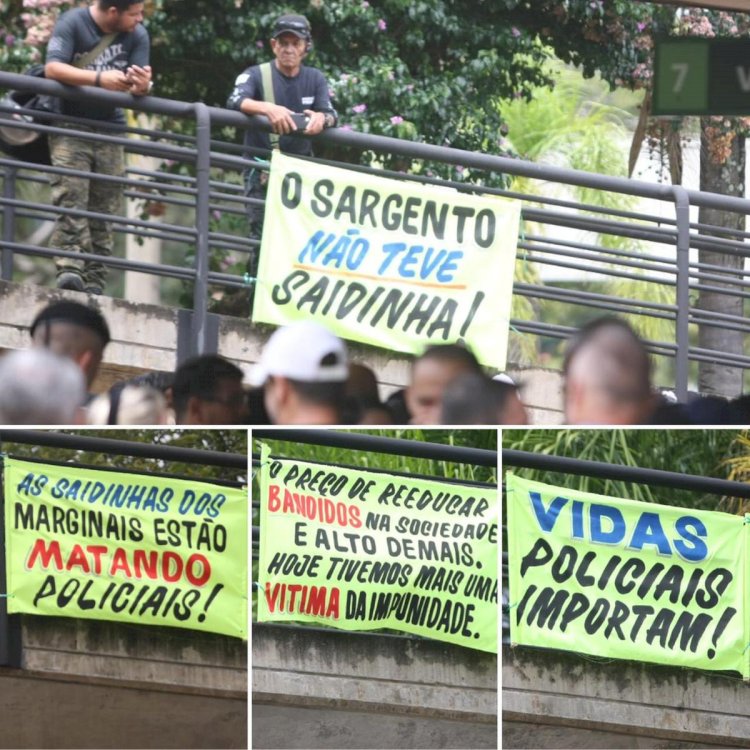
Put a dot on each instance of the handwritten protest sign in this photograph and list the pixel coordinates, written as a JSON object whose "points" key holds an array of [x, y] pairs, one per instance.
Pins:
{"points": [[626, 579], [360, 550], [387, 262], [106, 545]]}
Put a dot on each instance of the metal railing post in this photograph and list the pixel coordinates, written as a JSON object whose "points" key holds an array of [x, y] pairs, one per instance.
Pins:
{"points": [[682, 291], [9, 223], [202, 209], [11, 648]]}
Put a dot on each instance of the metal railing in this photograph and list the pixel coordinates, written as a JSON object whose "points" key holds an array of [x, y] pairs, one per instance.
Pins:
{"points": [[11, 645], [605, 242]]}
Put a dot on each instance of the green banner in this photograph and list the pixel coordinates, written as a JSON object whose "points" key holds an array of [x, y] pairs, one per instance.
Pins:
{"points": [[106, 545], [360, 550], [387, 262], [626, 579]]}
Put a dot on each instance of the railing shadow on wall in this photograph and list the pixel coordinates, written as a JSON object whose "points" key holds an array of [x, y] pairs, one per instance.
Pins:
{"points": [[560, 235]]}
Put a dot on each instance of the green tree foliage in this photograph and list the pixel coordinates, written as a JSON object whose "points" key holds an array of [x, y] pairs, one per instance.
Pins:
{"points": [[417, 70], [697, 452]]}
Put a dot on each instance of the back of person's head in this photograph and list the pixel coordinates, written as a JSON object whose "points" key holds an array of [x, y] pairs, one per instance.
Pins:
{"points": [[607, 373], [362, 403], [431, 373], [473, 398], [40, 387], [304, 368], [158, 379], [208, 390], [75, 331], [128, 404]]}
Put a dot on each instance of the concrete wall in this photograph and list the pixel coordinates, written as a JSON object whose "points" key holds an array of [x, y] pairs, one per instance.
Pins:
{"points": [[558, 700], [315, 688], [92, 684]]}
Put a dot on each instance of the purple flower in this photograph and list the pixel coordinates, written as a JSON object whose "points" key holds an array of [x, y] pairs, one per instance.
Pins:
{"points": [[365, 4], [359, 108], [259, 44], [345, 127], [641, 25], [381, 25], [515, 32], [396, 120], [10, 40]]}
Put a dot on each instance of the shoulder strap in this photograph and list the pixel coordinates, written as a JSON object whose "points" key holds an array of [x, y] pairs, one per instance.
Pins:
{"points": [[266, 78], [91, 55]]}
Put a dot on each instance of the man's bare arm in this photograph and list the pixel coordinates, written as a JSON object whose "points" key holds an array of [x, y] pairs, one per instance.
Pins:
{"points": [[113, 80]]}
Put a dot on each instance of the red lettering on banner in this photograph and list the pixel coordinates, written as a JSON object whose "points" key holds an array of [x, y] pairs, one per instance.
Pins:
{"points": [[168, 565], [313, 508], [307, 600]]}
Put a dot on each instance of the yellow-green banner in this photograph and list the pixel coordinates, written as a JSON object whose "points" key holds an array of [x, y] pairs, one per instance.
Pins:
{"points": [[387, 262], [106, 545], [618, 578], [360, 550]]}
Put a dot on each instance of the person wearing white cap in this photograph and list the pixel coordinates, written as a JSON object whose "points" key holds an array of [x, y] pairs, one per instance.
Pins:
{"points": [[303, 368]]}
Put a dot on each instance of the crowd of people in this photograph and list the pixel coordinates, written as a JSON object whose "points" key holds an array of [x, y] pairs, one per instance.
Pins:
{"points": [[305, 376]]}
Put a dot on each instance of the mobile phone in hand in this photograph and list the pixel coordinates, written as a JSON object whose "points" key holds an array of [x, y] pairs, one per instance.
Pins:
{"points": [[300, 120]]}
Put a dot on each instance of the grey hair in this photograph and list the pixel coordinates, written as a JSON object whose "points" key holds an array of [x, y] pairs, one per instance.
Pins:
{"points": [[39, 387]]}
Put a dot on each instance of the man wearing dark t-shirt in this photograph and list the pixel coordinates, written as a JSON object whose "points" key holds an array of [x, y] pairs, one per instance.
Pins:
{"points": [[103, 45], [297, 89]]}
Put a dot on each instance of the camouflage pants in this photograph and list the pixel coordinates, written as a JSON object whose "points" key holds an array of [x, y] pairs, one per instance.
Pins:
{"points": [[77, 233]]}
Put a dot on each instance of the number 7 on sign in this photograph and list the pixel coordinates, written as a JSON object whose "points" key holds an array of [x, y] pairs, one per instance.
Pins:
{"points": [[681, 71]]}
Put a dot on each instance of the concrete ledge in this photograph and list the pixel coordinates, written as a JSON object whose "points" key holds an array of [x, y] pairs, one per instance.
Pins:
{"points": [[143, 655], [637, 699], [43, 713], [413, 684]]}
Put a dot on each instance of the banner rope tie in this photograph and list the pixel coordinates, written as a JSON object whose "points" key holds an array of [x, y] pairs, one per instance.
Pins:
{"points": [[746, 648], [7, 596], [249, 280], [522, 238], [260, 466]]}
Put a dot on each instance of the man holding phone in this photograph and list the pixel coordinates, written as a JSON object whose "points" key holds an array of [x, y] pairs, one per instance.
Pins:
{"points": [[291, 95], [101, 45]]}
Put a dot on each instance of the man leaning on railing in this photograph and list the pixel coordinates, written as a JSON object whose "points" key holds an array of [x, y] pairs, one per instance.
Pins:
{"points": [[291, 95], [102, 45]]}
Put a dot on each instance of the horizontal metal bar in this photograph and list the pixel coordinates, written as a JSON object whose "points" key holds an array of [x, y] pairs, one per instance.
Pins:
{"points": [[124, 448], [380, 144], [638, 475], [377, 444], [577, 294]]}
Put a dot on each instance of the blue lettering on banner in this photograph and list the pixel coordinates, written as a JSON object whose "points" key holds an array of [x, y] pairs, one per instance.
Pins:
{"points": [[607, 525]]}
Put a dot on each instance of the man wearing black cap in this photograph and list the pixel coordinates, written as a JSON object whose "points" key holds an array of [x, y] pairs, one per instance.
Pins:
{"points": [[74, 331], [279, 90]]}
